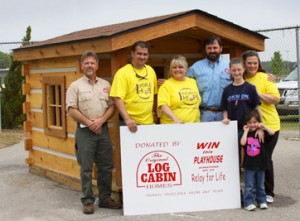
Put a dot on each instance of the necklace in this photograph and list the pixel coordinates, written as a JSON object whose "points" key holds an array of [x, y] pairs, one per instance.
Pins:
{"points": [[139, 76]]}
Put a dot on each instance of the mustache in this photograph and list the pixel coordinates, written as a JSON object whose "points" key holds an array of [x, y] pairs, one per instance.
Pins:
{"points": [[212, 53]]}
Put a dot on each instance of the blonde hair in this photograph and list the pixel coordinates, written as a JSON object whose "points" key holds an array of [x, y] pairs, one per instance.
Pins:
{"points": [[180, 61]]}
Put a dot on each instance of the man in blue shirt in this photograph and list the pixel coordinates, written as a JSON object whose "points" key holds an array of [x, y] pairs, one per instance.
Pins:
{"points": [[212, 75]]}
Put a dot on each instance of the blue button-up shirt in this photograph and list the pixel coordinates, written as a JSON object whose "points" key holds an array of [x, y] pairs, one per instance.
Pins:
{"points": [[211, 80]]}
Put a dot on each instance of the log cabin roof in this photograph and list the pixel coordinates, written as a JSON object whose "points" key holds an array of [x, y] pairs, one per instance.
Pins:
{"points": [[110, 32]]}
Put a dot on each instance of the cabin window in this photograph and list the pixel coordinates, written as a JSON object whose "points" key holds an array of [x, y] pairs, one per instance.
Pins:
{"points": [[54, 106]]}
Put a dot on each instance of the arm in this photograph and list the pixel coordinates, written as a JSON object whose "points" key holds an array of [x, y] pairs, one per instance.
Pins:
{"points": [[131, 124], [77, 116], [259, 111], [266, 128], [167, 110], [225, 117], [259, 132], [244, 137], [268, 98]]}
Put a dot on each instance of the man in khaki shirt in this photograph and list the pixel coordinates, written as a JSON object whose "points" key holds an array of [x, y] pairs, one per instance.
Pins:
{"points": [[89, 104]]}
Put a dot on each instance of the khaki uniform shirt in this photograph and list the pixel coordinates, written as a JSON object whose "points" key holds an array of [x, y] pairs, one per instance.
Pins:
{"points": [[91, 100]]}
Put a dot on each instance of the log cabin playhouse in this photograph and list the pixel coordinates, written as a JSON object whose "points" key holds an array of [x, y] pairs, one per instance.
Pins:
{"points": [[51, 65]]}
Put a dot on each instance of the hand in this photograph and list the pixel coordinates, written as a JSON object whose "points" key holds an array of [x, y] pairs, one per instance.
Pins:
{"points": [[96, 126], [246, 128], [271, 77], [177, 121], [160, 81], [132, 125], [99, 131], [226, 121], [261, 135], [260, 125]]}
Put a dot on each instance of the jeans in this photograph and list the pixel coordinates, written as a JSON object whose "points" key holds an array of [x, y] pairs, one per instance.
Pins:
{"points": [[254, 187], [209, 116], [92, 148]]}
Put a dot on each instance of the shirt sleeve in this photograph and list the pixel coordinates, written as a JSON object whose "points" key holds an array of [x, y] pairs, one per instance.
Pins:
{"points": [[119, 86], [72, 97], [163, 97], [224, 102], [272, 89]]}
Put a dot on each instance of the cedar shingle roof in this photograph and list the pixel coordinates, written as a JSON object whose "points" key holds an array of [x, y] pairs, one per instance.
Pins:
{"points": [[117, 29]]}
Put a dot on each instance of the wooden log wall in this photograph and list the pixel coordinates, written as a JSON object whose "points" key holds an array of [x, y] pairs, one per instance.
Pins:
{"points": [[52, 156]]}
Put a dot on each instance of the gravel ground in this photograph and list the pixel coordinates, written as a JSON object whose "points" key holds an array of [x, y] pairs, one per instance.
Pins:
{"points": [[28, 197]]}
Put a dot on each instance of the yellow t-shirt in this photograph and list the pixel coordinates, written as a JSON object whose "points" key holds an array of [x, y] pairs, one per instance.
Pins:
{"points": [[182, 97], [136, 88], [264, 86]]}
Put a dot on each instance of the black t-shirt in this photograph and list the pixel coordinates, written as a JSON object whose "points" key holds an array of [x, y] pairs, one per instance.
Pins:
{"points": [[256, 157], [239, 100]]}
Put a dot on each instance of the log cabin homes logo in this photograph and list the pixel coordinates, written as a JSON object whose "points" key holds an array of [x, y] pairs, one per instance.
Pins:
{"points": [[158, 169]]}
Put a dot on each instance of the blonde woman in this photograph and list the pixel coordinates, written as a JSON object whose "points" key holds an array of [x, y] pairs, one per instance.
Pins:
{"points": [[178, 97]]}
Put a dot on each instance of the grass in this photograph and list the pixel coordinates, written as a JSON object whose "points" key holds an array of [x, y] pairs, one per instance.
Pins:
{"points": [[11, 137], [289, 122]]}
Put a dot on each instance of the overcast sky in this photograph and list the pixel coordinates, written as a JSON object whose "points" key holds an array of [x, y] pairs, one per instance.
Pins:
{"points": [[52, 18]]}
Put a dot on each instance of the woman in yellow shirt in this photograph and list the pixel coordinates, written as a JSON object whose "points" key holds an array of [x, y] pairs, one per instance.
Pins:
{"points": [[269, 96], [178, 97]]}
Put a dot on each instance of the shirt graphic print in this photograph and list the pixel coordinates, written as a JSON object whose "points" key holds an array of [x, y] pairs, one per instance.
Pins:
{"points": [[253, 147]]}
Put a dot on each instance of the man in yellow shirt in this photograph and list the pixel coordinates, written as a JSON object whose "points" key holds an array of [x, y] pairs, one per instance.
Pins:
{"points": [[134, 87]]}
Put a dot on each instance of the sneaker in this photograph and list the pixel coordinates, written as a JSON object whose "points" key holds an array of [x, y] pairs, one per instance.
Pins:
{"points": [[270, 199], [88, 208], [263, 206], [251, 207], [110, 204]]}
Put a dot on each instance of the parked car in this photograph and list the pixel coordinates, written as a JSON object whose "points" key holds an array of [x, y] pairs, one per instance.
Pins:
{"points": [[289, 98]]}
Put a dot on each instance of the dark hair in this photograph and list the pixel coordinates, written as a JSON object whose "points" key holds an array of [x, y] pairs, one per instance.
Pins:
{"points": [[142, 44], [89, 54], [251, 53], [211, 40], [254, 113], [236, 60]]}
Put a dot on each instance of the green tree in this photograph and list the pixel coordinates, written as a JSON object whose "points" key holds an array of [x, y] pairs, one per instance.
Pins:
{"points": [[12, 97], [277, 65], [5, 60]]}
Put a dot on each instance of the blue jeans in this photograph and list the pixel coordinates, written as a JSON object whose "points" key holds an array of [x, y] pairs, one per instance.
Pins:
{"points": [[210, 116], [254, 187]]}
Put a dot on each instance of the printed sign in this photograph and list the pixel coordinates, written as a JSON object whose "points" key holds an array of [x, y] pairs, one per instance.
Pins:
{"points": [[180, 168]]}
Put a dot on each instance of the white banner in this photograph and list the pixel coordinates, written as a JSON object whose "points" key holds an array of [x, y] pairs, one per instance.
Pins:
{"points": [[180, 168]]}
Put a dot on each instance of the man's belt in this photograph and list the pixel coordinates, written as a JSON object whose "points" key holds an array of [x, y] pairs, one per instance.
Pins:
{"points": [[215, 109], [83, 126]]}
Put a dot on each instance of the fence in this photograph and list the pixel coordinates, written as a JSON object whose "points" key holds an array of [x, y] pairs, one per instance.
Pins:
{"points": [[281, 41], [284, 42]]}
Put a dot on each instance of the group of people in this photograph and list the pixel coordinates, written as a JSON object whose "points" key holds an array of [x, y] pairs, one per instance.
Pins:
{"points": [[212, 89]]}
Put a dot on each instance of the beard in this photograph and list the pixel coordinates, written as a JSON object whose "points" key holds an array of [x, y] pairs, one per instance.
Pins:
{"points": [[213, 56], [89, 72]]}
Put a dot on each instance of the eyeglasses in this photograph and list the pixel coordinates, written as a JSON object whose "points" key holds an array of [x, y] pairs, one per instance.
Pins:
{"points": [[139, 76]]}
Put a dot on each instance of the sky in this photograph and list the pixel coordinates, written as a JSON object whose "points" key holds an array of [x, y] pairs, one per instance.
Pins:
{"points": [[52, 18]]}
